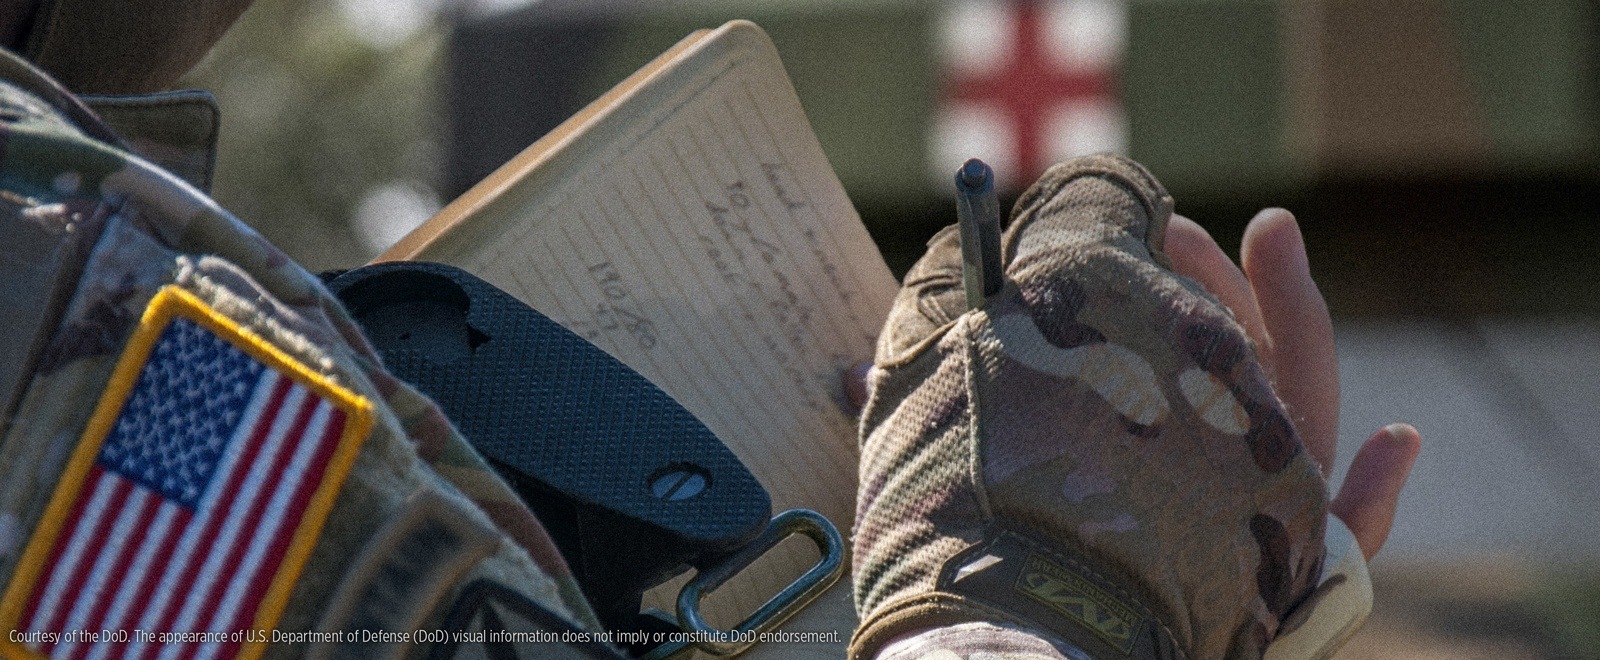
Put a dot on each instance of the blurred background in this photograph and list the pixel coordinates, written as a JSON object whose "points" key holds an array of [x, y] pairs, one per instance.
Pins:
{"points": [[1443, 159]]}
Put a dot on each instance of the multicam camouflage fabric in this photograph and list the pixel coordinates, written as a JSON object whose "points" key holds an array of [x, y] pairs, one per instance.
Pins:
{"points": [[1100, 405], [65, 181], [980, 641]]}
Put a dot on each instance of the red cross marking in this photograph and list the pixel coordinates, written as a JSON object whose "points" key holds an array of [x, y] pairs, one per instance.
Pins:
{"points": [[1027, 86]]}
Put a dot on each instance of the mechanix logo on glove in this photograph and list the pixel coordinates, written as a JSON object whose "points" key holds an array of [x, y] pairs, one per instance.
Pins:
{"points": [[1099, 432], [1070, 595]]}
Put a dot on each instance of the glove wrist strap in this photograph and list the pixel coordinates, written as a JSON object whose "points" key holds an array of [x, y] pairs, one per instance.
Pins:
{"points": [[1013, 578]]}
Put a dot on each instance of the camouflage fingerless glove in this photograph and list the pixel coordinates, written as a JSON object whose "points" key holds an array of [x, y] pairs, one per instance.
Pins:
{"points": [[1095, 454]]}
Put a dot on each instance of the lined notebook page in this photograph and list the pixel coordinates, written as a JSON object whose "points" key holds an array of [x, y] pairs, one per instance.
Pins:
{"points": [[703, 239]]}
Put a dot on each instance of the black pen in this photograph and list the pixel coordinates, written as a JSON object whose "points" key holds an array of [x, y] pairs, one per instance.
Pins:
{"points": [[978, 214]]}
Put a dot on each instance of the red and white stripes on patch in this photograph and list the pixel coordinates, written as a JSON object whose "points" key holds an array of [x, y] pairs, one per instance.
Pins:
{"points": [[137, 563]]}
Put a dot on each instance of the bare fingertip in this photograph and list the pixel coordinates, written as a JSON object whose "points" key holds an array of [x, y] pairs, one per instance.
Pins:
{"points": [[1403, 433], [1273, 214], [1188, 245], [1401, 428], [1273, 223], [1273, 244], [860, 371], [1183, 233], [856, 390]]}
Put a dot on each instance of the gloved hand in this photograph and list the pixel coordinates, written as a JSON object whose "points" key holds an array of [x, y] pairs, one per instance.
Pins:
{"points": [[1095, 455]]}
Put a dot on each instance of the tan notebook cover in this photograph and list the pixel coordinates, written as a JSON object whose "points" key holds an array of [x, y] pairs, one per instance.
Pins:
{"points": [[688, 223]]}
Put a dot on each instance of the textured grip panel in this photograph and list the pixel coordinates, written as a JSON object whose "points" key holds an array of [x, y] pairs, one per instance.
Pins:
{"points": [[629, 483]]}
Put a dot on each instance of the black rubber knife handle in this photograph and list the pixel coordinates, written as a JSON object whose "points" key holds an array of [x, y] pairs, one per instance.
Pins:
{"points": [[632, 487]]}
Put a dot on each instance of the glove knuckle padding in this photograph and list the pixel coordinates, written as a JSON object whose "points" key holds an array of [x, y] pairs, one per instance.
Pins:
{"points": [[1099, 404]]}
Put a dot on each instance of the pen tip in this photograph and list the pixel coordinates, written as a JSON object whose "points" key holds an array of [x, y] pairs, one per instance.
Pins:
{"points": [[974, 173]]}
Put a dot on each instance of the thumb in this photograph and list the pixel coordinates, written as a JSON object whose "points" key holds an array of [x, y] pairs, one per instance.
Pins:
{"points": [[1371, 489]]}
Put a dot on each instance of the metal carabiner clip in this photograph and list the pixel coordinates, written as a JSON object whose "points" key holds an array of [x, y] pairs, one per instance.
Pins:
{"points": [[786, 603]]}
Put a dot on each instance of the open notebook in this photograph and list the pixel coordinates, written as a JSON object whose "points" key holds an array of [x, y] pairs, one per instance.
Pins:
{"points": [[688, 223]]}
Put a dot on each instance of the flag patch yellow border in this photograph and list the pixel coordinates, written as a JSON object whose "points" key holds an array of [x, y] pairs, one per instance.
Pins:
{"points": [[300, 530]]}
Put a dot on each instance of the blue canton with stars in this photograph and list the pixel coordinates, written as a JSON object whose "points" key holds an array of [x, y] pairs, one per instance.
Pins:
{"points": [[175, 425]]}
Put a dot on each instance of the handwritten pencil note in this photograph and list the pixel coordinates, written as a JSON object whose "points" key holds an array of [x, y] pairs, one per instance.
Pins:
{"points": [[704, 240]]}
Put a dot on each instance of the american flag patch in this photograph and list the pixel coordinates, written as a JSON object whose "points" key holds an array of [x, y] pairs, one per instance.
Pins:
{"points": [[192, 501]]}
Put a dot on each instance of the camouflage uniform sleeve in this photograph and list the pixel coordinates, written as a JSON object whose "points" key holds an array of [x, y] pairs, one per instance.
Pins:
{"points": [[415, 533], [1094, 455], [980, 641]]}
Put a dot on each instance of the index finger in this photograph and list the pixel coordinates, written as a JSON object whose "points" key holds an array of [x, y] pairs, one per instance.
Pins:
{"points": [[1195, 255]]}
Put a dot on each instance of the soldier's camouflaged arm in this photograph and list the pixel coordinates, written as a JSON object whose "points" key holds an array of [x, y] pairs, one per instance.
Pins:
{"points": [[1094, 457], [419, 523], [981, 641]]}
